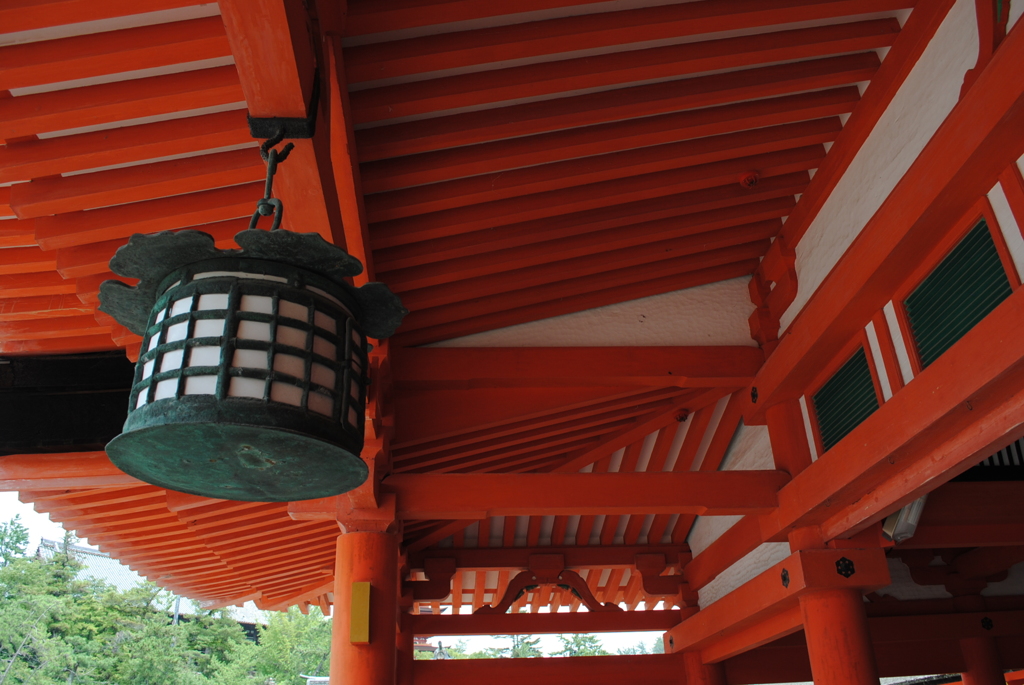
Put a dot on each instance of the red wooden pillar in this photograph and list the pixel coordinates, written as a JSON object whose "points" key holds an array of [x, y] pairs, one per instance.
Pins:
{"points": [[700, 673], [405, 650], [838, 642], [365, 659], [982, 665]]}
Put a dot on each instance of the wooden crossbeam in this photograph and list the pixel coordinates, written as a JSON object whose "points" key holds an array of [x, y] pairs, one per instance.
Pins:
{"points": [[475, 496], [614, 165], [455, 368], [72, 470], [100, 54], [596, 71], [472, 160], [650, 669], [534, 623], [575, 557], [111, 102], [589, 31], [472, 128]]}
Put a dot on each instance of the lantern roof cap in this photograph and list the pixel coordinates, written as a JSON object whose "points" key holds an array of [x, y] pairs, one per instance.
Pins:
{"points": [[152, 258]]}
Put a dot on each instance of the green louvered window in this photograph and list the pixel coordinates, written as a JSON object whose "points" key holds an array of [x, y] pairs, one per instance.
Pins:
{"points": [[845, 400], [968, 284]]}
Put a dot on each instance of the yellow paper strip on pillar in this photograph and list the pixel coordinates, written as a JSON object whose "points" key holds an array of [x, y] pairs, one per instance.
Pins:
{"points": [[359, 618]]}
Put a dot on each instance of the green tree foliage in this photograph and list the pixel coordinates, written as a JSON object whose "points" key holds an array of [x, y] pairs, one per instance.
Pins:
{"points": [[580, 644], [292, 644], [13, 540], [657, 647]]}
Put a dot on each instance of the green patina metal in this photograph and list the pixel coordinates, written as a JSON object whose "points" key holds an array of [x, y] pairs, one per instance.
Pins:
{"points": [[257, 447]]}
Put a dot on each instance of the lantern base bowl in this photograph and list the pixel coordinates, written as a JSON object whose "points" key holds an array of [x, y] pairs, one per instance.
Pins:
{"points": [[237, 462]]}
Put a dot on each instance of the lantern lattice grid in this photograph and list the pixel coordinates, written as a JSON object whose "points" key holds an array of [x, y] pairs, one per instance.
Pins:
{"points": [[240, 334]]}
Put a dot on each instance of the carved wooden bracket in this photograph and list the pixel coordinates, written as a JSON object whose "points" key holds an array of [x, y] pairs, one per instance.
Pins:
{"points": [[992, 19], [438, 585], [773, 288], [547, 569]]}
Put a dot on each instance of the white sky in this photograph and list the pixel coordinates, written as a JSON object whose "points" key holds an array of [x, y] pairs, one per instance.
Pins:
{"points": [[39, 525]]}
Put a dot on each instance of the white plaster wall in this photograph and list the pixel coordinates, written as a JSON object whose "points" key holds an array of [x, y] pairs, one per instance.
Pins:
{"points": [[749, 450], [750, 566], [713, 314], [922, 103], [1016, 10], [1008, 227]]}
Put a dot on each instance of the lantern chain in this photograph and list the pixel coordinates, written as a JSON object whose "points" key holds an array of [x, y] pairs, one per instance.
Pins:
{"points": [[268, 205]]}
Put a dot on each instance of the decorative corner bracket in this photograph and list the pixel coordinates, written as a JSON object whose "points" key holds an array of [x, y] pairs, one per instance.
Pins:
{"points": [[438, 585], [547, 569]]}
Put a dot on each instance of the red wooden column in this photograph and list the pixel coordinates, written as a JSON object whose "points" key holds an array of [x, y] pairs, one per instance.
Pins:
{"points": [[982, 664], [370, 658], [405, 650], [699, 673], [838, 642], [835, 627], [788, 436]]}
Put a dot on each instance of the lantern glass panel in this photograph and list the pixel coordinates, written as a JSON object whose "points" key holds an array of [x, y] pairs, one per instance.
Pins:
{"points": [[165, 389], [213, 301], [290, 364], [324, 348], [205, 355], [208, 328], [147, 369], [254, 330], [292, 310], [321, 375], [321, 404], [178, 331], [246, 387], [286, 393], [325, 322], [250, 359], [171, 360], [286, 335], [257, 303], [182, 306], [201, 385]]}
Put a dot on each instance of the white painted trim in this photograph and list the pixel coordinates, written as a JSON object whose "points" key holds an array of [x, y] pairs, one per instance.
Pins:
{"points": [[1008, 227], [808, 431], [1016, 10], [876, 355], [896, 333], [709, 434]]}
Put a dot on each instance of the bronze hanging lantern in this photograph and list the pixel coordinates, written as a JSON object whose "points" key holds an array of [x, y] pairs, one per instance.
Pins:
{"points": [[251, 380]]}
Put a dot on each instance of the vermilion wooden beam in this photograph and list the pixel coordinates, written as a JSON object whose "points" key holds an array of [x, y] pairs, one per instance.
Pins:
{"points": [[545, 366], [472, 160], [637, 257], [602, 71], [474, 496], [648, 160], [276, 56], [577, 557], [25, 15], [100, 54], [111, 102], [651, 669], [663, 230], [939, 434], [30, 159], [768, 599], [599, 108], [523, 624], [971, 515], [592, 196], [961, 163], [43, 307], [519, 41], [697, 210], [723, 267], [73, 470], [610, 282], [136, 183], [150, 216], [69, 327], [26, 260]]}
